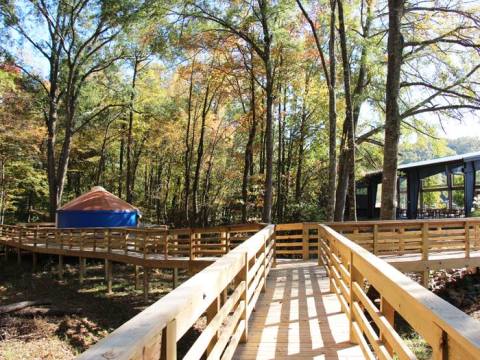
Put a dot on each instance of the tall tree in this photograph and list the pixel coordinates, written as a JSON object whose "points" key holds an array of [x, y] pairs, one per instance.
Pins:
{"points": [[79, 42], [330, 78]]}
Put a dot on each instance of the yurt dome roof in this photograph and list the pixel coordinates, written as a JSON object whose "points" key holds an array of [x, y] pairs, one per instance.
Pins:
{"points": [[98, 199]]}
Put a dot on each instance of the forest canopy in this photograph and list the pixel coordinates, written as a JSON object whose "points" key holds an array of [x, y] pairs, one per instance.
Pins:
{"points": [[212, 112]]}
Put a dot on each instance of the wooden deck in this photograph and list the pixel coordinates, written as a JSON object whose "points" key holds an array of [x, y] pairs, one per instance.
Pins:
{"points": [[297, 317]]}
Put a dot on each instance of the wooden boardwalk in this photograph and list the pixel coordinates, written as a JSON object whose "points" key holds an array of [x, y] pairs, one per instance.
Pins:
{"points": [[298, 318]]}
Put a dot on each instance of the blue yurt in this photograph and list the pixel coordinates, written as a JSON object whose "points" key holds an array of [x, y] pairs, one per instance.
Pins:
{"points": [[97, 208]]}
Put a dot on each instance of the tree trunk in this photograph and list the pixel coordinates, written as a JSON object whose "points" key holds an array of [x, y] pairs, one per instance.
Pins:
{"points": [[269, 86], [392, 119], [332, 118], [129, 179], [350, 134], [120, 162], [196, 179], [249, 148], [188, 148]]}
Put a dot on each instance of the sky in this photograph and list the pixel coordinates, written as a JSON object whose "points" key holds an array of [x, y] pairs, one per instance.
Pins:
{"points": [[469, 126], [449, 129]]}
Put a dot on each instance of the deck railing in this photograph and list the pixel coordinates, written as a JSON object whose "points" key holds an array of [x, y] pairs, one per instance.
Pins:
{"points": [[226, 291], [424, 237], [352, 269], [189, 243]]}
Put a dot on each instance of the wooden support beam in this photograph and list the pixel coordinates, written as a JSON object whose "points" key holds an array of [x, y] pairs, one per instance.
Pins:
{"points": [[60, 267], [106, 269], [174, 278], [109, 270], [81, 270], [34, 262], [137, 277], [145, 283]]}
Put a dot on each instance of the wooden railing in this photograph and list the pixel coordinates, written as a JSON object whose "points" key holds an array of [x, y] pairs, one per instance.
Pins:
{"points": [[189, 243], [225, 293], [296, 240], [352, 269], [424, 238], [414, 236]]}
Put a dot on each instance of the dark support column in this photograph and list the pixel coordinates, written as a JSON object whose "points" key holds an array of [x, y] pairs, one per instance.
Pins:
{"points": [[174, 278], [60, 267], [34, 262], [469, 186], [81, 270], [413, 186], [145, 283], [448, 173], [109, 272], [372, 198], [137, 277]]}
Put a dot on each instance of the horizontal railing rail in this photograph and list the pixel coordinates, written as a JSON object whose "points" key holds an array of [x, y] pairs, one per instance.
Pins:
{"points": [[224, 292], [352, 270]]}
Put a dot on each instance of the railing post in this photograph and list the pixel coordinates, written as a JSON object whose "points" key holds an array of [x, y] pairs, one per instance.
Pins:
{"points": [[305, 247], [440, 349], [401, 244], [375, 239], [264, 287], [165, 248], [467, 240], [388, 311], [355, 276], [227, 241], [245, 299], [192, 244], [425, 249], [169, 341], [211, 312]]}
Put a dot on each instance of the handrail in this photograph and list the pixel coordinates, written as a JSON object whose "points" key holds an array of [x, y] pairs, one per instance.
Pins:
{"points": [[156, 330], [444, 327]]}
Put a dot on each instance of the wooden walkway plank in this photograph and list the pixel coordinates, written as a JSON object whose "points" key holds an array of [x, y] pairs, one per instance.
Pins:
{"points": [[297, 318]]}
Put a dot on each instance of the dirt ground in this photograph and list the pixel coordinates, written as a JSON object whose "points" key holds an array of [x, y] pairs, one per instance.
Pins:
{"points": [[63, 337]]}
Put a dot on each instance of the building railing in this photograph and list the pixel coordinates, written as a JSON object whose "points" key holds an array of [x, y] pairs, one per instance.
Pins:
{"points": [[226, 291], [352, 270]]}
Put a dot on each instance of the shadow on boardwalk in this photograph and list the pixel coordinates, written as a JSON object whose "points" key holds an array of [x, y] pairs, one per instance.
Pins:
{"points": [[298, 318]]}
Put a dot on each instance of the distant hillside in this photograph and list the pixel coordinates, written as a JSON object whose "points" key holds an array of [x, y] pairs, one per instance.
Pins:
{"points": [[466, 144]]}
